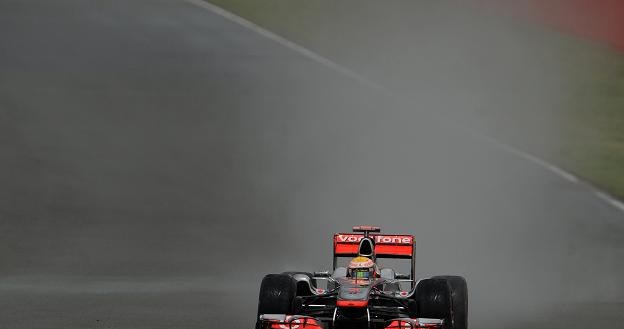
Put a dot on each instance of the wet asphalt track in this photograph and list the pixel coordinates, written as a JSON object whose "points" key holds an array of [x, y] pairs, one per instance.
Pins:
{"points": [[154, 154]]}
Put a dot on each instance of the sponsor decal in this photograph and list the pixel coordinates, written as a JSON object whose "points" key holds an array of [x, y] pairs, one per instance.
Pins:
{"points": [[380, 239]]}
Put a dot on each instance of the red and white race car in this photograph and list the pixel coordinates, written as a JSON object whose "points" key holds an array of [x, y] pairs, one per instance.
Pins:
{"points": [[362, 295]]}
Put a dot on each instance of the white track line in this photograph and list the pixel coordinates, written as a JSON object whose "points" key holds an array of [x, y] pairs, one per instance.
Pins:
{"points": [[531, 158], [561, 173], [363, 80], [288, 44], [610, 200]]}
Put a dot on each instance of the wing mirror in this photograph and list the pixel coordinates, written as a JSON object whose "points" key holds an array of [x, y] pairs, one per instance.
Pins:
{"points": [[400, 276], [322, 274]]}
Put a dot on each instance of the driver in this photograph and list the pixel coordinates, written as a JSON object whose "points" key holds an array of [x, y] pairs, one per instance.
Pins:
{"points": [[361, 268]]}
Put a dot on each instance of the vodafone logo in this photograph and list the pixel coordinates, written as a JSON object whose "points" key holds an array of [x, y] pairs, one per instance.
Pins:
{"points": [[381, 239], [348, 238]]}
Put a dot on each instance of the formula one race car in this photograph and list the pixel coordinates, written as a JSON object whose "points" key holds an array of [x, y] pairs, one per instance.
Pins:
{"points": [[362, 295]]}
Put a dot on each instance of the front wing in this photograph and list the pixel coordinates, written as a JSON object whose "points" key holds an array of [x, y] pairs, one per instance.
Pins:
{"points": [[284, 321], [322, 312]]}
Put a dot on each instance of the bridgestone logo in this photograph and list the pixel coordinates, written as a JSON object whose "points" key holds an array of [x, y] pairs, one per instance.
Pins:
{"points": [[381, 239]]}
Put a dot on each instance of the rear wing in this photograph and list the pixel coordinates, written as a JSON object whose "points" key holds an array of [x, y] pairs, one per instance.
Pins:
{"points": [[401, 246], [386, 246]]}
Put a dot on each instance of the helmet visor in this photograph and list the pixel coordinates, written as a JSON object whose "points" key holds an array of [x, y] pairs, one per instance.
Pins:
{"points": [[361, 273]]}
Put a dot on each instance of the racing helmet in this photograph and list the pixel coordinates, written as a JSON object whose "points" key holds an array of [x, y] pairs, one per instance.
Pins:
{"points": [[361, 268]]}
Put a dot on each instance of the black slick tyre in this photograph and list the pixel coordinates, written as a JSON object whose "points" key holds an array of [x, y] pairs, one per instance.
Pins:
{"points": [[277, 295], [459, 298], [433, 299], [443, 297]]}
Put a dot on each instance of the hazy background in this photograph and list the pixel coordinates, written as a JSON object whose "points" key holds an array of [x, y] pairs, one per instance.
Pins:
{"points": [[158, 160]]}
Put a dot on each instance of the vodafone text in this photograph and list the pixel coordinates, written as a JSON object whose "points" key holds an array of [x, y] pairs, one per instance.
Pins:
{"points": [[381, 239]]}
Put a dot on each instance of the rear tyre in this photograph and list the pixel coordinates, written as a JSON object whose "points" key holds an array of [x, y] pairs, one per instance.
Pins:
{"points": [[277, 295]]}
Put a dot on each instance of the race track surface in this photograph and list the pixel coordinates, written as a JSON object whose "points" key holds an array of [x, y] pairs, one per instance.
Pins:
{"points": [[157, 159]]}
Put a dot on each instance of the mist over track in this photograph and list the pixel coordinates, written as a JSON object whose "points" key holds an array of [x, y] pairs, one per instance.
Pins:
{"points": [[157, 160]]}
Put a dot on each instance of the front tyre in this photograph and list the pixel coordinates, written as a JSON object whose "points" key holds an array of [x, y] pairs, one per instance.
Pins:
{"points": [[459, 298], [277, 295], [443, 297]]}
